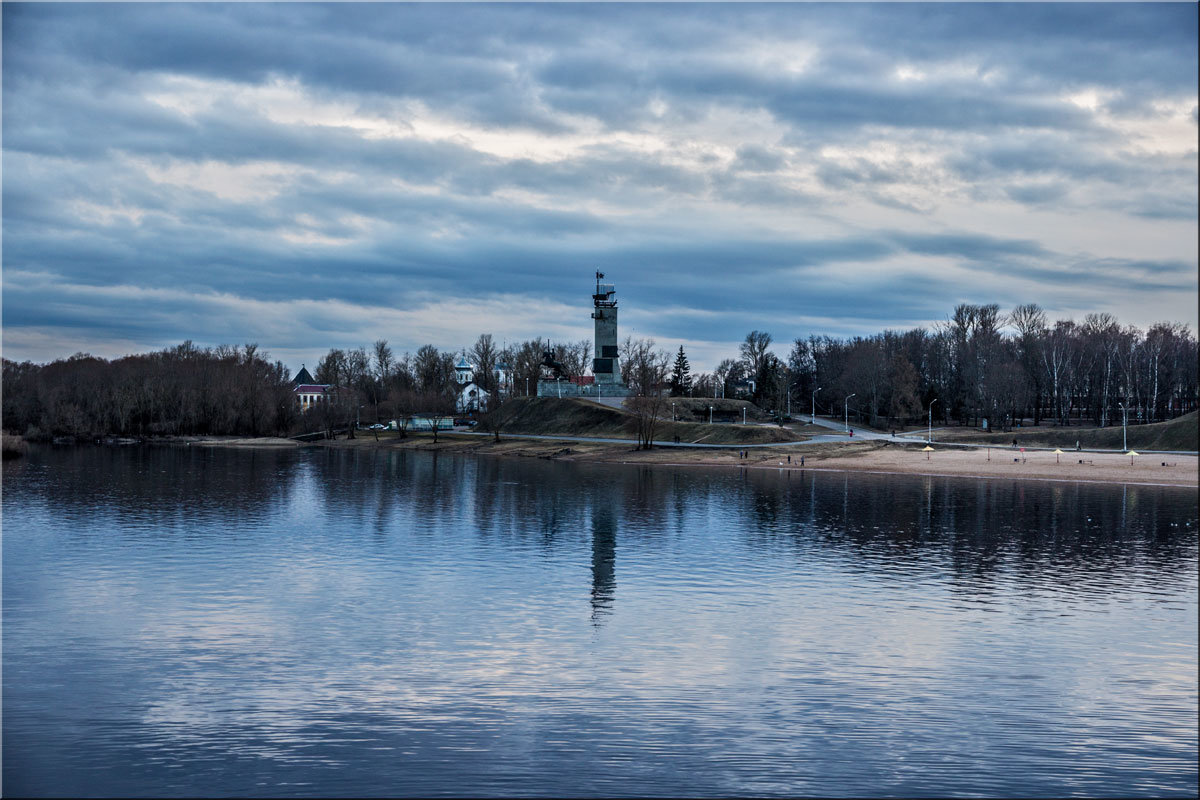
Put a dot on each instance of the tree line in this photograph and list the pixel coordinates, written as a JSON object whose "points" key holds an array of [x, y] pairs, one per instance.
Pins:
{"points": [[978, 364], [182, 390]]}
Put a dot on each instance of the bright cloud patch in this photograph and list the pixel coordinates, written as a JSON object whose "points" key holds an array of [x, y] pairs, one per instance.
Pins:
{"points": [[313, 176]]}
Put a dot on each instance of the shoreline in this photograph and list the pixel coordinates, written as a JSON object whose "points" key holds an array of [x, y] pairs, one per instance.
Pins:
{"points": [[879, 458], [875, 457]]}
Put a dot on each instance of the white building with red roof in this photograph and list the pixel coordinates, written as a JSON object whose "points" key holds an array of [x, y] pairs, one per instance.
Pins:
{"points": [[309, 393]]}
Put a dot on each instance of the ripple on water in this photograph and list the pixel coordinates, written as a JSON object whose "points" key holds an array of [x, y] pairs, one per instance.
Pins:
{"points": [[184, 621]]}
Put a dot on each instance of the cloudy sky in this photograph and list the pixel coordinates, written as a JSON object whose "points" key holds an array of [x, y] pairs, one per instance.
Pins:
{"points": [[310, 176]]}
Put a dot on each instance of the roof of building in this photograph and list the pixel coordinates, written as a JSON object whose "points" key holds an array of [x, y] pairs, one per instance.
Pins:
{"points": [[464, 364], [302, 377], [312, 388]]}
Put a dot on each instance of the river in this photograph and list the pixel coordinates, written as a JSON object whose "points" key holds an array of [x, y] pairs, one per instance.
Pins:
{"points": [[315, 622]]}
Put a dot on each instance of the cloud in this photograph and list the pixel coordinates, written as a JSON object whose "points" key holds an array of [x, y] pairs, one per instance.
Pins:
{"points": [[207, 171]]}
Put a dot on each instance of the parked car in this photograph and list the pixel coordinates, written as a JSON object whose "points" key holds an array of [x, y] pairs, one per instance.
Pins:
{"points": [[378, 426]]}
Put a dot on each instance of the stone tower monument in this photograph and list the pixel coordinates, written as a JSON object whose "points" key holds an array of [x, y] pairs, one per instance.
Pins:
{"points": [[605, 365]]}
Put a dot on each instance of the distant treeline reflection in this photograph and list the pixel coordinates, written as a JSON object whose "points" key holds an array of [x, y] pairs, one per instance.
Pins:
{"points": [[1065, 537]]}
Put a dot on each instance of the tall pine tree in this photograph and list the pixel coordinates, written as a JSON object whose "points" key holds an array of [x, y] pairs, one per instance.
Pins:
{"points": [[681, 379]]}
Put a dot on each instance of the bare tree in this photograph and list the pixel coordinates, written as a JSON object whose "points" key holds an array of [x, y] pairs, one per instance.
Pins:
{"points": [[382, 373], [1058, 352], [493, 420], [405, 401], [903, 379], [526, 363], [1030, 323], [437, 406], [485, 353], [645, 371], [333, 369], [727, 373], [755, 351], [1100, 335], [429, 368], [576, 357]]}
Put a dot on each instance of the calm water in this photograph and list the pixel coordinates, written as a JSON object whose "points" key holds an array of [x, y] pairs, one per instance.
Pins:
{"points": [[205, 622]]}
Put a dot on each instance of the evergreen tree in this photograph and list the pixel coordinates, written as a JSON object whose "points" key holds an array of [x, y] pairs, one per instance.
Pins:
{"points": [[681, 380]]}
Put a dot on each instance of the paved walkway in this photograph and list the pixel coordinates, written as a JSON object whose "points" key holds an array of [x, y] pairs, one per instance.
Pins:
{"points": [[657, 443], [921, 436], [859, 435]]}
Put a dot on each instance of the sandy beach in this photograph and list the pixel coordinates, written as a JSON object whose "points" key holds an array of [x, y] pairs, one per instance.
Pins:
{"points": [[1035, 465], [870, 457]]}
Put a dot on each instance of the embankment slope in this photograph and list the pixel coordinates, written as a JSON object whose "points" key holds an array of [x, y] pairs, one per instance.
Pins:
{"points": [[1182, 433], [551, 416]]}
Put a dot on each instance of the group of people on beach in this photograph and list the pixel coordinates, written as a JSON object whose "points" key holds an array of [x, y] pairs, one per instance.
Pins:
{"points": [[743, 454]]}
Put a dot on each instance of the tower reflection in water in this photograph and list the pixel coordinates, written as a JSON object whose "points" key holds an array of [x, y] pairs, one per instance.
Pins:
{"points": [[604, 556]]}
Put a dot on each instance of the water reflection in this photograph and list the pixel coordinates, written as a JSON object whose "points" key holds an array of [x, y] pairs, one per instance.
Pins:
{"points": [[163, 486], [604, 557], [357, 622], [1062, 536]]}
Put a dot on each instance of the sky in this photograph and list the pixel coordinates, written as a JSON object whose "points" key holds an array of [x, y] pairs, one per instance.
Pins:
{"points": [[308, 176]]}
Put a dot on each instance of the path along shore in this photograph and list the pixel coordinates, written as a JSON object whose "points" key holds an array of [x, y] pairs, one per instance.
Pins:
{"points": [[868, 456]]}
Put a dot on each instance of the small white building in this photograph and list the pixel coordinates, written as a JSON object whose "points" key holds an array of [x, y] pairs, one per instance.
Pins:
{"points": [[471, 398], [421, 424], [309, 395]]}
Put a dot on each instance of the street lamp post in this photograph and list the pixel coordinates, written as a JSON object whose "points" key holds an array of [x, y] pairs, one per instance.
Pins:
{"points": [[743, 415], [1124, 435], [814, 399], [847, 411], [672, 412], [527, 386], [929, 435], [710, 415]]}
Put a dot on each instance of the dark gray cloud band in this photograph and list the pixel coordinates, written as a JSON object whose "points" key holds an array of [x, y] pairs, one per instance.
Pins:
{"points": [[761, 162]]}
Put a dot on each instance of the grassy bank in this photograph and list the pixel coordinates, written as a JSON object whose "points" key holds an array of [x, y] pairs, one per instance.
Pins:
{"points": [[550, 416], [611, 452], [1177, 434]]}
